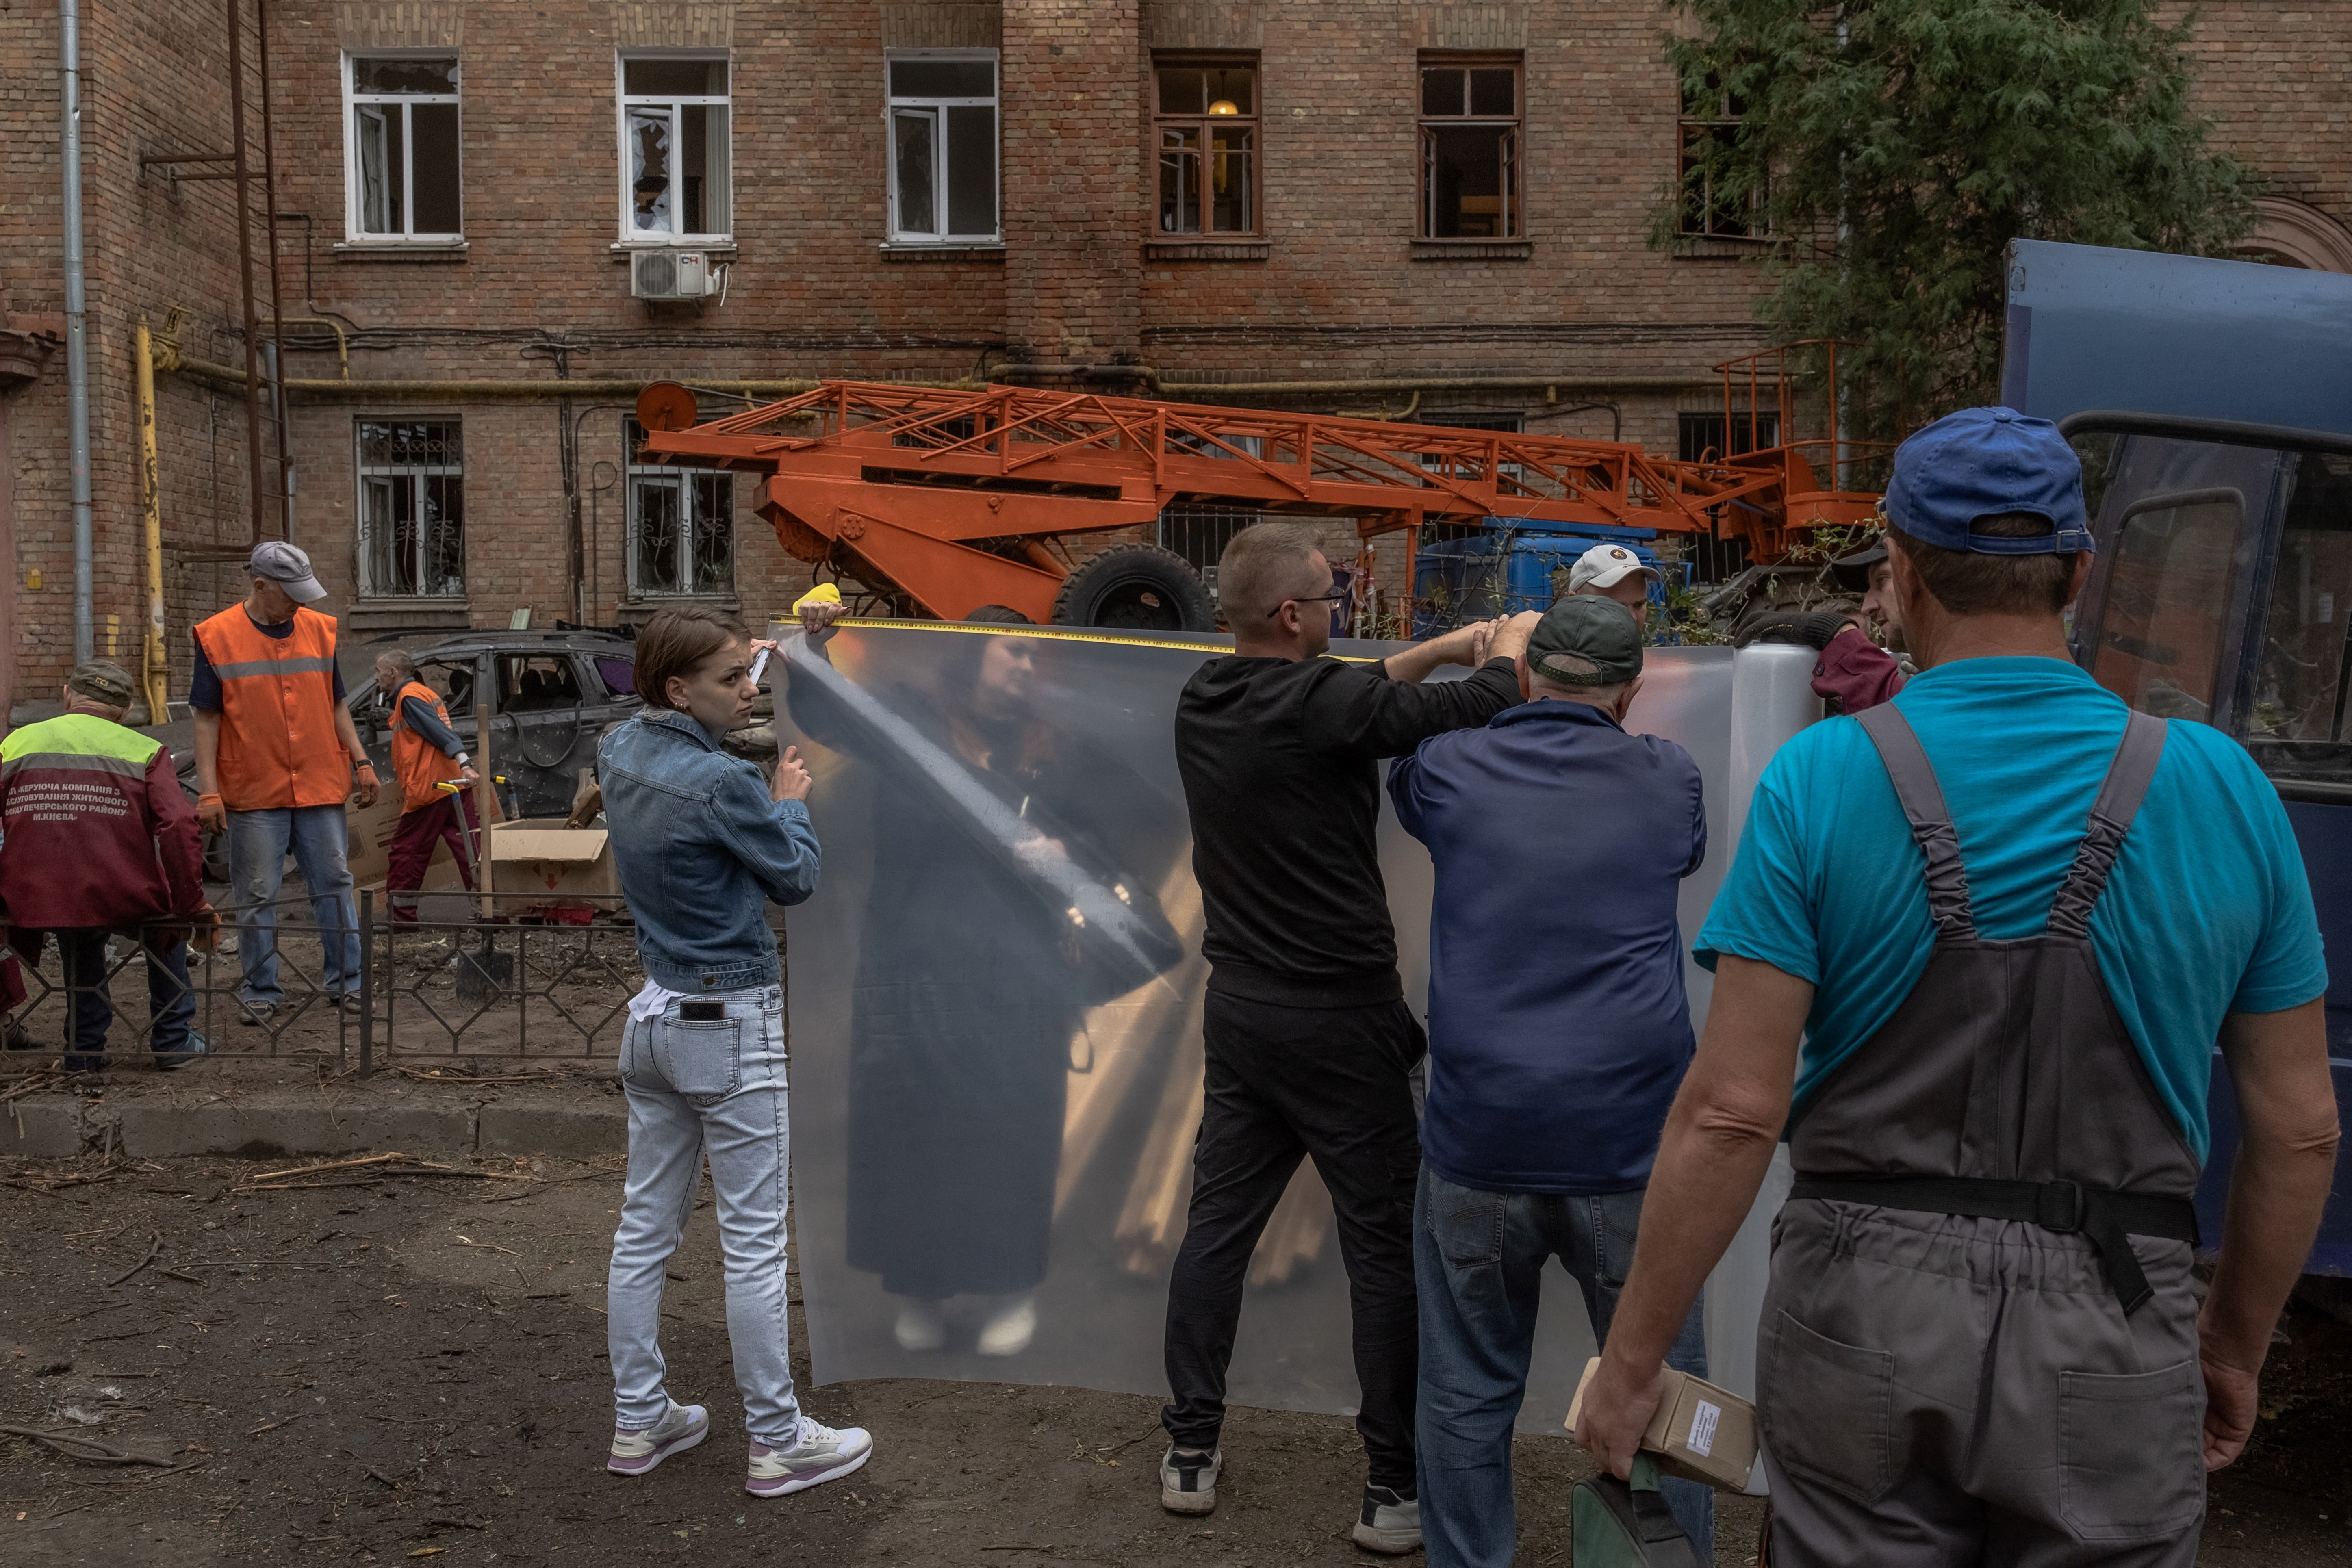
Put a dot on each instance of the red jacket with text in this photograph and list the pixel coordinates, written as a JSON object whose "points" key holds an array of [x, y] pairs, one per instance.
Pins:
{"points": [[94, 829]]}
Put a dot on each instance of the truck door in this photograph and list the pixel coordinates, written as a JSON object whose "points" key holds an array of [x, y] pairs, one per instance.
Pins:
{"points": [[2223, 594]]}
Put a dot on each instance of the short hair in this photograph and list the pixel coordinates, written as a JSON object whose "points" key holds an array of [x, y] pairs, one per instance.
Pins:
{"points": [[1574, 664], [402, 665], [1966, 582], [1265, 564], [675, 641]]}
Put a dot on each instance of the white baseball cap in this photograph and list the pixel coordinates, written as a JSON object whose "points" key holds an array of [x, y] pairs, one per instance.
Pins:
{"points": [[1606, 565]]}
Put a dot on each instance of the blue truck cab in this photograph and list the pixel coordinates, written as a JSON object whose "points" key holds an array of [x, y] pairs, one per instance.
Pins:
{"points": [[2212, 403]]}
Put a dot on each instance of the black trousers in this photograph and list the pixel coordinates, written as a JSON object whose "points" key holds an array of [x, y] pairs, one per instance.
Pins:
{"points": [[1283, 1083]]}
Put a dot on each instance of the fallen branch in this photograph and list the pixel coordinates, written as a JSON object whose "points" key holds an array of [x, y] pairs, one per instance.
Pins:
{"points": [[155, 1244], [145, 1480], [86, 1450], [273, 1425], [329, 1165]]}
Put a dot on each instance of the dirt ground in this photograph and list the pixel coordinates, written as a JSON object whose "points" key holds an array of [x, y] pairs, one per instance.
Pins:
{"points": [[366, 1369]]}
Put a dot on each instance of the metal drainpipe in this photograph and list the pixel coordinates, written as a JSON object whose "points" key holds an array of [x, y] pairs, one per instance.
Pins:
{"points": [[77, 329]]}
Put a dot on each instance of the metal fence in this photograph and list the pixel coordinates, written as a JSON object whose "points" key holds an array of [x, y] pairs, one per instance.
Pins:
{"points": [[523, 982]]}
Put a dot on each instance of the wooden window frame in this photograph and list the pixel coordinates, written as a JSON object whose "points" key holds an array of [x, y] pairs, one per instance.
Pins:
{"points": [[1204, 122], [1513, 194], [1690, 127]]}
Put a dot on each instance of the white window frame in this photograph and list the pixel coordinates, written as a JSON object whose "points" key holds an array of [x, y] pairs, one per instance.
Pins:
{"points": [[413, 474], [891, 107], [354, 199], [624, 103], [690, 521]]}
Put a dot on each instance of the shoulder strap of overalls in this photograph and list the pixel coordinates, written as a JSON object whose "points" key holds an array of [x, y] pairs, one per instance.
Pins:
{"points": [[2111, 817], [1931, 824]]}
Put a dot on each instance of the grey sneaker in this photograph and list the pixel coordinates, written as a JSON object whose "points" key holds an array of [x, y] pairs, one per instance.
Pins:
{"points": [[680, 1429], [1391, 1521], [1188, 1479], [255, 1015], [822, 1455], [196, 1047]]}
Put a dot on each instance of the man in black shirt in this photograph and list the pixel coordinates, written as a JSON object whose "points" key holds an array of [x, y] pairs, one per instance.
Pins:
{"points": [[1309, 1043]]}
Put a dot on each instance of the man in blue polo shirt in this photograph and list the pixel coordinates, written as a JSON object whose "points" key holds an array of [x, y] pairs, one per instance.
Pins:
{"points": [[2009, 919], [1558, 1032]]}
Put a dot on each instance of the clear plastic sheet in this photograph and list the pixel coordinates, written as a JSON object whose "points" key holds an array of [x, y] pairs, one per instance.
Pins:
{"points": [[995, 1007]]}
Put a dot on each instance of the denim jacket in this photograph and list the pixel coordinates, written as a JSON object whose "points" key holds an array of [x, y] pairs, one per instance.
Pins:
{"points": [[700, 848]]}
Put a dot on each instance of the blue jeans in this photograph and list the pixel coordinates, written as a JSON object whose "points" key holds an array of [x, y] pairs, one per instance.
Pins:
{"points": [[698, 1086], [319, 838], [1477, 1260], [170, 1000]]}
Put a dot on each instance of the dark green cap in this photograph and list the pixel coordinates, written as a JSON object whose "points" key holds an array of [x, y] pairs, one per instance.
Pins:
{"points": [[102, 682], [1586, 640]]}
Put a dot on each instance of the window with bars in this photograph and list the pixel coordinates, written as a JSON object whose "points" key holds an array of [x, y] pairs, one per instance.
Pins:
{"points": [[1710, 130], [1200, 534], [1709, 437], [675, 148], [412, 509], [1204, 135], [942, 120], [1470, 110], [681, 528], [400, 148]]}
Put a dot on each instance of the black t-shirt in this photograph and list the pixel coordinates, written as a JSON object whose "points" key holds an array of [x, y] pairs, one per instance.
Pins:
{"points": [[1280, 763]]}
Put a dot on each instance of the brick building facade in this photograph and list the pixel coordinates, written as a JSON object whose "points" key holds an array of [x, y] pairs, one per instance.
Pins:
{"points": [[1440, 210]]}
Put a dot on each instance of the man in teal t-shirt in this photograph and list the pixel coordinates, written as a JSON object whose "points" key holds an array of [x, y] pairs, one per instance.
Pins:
{"points": [[2009, 919]]}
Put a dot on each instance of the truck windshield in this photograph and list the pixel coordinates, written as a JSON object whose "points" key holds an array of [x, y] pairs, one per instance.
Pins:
{"points": [[2224, 592]]}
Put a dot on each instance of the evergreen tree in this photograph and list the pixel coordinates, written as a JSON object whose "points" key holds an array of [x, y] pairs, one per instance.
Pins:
{"points": [[1892, 147]]}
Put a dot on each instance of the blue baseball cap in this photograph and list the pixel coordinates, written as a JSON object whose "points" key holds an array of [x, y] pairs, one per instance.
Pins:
{"points": [[1983, 462]]}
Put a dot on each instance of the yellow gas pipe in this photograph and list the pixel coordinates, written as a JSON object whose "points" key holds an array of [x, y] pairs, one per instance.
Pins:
{"points": [[157, 671]]}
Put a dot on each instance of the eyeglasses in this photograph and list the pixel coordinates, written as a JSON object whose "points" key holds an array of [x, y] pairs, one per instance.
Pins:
{"points": [[1303, 599]]}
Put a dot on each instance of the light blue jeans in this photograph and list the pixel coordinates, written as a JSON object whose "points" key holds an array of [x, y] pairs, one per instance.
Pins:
{"points": [[319, 838], [1477, 1258], [715, 1086]]}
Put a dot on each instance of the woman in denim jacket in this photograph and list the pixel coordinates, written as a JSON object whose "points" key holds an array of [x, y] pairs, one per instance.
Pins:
{"points": [[703, 843]]}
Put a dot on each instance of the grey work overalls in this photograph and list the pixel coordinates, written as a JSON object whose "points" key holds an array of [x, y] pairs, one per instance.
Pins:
{"points": [[1949, 1371]]}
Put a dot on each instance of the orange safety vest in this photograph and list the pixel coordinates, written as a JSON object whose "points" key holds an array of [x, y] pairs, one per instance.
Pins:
{"points": [[278, 741], [417, 763]]}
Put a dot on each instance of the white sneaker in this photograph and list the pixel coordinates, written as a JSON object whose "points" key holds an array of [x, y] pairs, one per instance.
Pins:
{"points": [[1010, 1329], [680, 1429], [920, 1327], [822, 1455], [1388, 1523], [1188, 1482]]}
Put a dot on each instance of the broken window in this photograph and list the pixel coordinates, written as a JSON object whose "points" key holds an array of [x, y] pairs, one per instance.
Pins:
{"points": [[675, 180], [412, 505], [1470, 112], [681, 528], [1711, 207], [1204, 135], [942, 117], [401, 148]]}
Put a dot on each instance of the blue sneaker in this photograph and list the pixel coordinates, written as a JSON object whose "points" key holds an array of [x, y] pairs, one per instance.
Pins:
{"points": [[196, 1045]]}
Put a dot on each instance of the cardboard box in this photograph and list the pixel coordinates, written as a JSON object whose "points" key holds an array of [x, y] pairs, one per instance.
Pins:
{"points": [[1700, 1433], [371, 828], [542, 856]]}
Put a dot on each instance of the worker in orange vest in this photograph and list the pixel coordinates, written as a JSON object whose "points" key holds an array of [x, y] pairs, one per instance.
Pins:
{"points": [[275, 756], [426, 757]]}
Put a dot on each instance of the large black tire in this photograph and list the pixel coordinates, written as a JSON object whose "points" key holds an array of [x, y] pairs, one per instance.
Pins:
{"points": [[1136, 588]]}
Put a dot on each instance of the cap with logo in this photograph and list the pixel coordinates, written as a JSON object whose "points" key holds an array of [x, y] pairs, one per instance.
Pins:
{"points": [[1986, 462], [102, 682], [287, 567], [1586, 640], [1606, 565]]}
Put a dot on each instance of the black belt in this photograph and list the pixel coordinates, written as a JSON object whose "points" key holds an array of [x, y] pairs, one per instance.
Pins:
{"points": [[2107, 1219]]}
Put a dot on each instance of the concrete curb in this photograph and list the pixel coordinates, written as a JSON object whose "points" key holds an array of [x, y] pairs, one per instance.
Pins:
{"points": [[279, 1124]]}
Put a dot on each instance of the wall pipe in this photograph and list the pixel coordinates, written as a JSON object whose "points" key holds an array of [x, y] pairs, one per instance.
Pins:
{"points": [[85, 631], [550, 390], [156, 673]]}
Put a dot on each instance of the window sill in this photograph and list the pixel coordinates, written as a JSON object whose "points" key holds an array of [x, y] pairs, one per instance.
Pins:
{"points": [[1717, 247], [643, 607], [1473, 249], [401, 250], [991, 251], [1241, 248]]}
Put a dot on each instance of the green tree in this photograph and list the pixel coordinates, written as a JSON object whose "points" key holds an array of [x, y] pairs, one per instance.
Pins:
{"points": [[1892, 147]]}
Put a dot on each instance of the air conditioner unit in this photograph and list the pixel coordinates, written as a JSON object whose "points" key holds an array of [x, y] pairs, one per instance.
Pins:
{"points": [[672, 275]]}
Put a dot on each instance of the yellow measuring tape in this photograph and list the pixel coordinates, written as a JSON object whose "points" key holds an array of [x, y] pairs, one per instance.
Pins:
{"points": [[1055, 634]]}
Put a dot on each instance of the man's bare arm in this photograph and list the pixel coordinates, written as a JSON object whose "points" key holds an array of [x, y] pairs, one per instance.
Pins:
{"points": [[207, 752], [1712, 1158], [2278, 1188]]}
